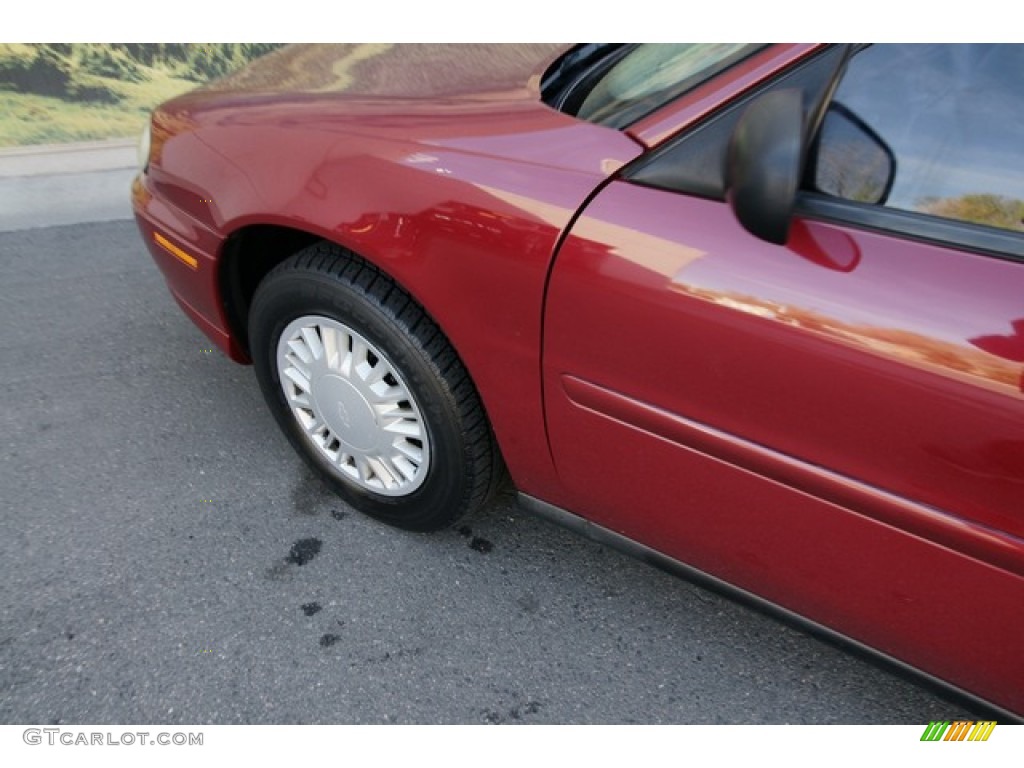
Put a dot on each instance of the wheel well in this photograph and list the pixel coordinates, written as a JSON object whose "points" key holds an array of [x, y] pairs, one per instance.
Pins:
{"points": [[248, 255], [251, 253]]}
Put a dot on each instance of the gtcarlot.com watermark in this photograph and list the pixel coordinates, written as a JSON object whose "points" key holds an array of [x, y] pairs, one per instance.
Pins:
{"points": [[54, 736]]}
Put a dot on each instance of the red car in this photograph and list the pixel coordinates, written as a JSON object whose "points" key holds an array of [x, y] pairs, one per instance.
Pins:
{"points": [[755, 313]]}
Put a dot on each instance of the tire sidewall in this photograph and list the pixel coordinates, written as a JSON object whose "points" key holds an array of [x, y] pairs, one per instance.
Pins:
{"points": [[288, 295]]}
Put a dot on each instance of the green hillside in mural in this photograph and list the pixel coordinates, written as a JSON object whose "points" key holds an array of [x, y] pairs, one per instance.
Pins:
{"points": [[58, 92]]}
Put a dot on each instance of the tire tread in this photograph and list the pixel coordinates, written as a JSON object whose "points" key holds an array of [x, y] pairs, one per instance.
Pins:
{"points": [[482, 463]]}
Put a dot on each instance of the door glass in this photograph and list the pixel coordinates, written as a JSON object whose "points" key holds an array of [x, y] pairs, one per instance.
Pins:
{"points": [[951, 118]]}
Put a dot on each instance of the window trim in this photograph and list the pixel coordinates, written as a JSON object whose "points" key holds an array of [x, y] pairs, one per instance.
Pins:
{"points": [[934, 230]]}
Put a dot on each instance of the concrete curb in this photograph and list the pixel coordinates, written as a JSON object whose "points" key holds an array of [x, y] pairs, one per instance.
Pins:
{"points": [[55, 159]]}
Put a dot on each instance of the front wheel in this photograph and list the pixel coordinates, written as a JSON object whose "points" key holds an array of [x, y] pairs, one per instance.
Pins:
{"points": [[369, 391]]}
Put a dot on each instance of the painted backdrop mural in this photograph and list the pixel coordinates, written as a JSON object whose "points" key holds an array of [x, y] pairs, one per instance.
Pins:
{"points": [[57, 92]]}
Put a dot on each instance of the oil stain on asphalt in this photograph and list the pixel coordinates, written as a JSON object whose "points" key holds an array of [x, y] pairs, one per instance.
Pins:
{"points": [[303, 551], [494, 717], [479, 543]]}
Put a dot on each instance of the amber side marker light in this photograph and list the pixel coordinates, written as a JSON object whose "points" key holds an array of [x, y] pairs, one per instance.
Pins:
{"points": [[175, 251]]}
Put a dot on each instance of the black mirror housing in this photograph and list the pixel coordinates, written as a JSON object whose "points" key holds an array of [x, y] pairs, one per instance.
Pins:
{"points": [[764, 164]]}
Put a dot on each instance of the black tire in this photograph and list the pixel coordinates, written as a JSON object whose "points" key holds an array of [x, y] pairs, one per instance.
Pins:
{"points": [[325, 281]]}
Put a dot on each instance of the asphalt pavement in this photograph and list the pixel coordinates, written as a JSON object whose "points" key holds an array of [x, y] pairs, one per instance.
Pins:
{"points": [[166, 557]]}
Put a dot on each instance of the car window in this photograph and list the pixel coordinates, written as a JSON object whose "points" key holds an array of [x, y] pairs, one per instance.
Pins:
{"points": [[626, 83], [933, 129]]}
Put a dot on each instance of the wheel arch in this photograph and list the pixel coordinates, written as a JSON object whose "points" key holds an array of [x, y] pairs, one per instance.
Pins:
{"points": [[247, 256], [252, 251]]}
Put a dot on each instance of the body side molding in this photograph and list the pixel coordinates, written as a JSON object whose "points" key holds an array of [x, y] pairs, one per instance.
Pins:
{"points": [[996, 548]]}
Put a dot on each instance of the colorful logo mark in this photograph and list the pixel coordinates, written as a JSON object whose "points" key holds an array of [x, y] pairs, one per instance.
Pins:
{"points": [[958, 730]]}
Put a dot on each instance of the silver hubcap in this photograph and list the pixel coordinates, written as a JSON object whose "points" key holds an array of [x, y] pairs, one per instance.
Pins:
{"points": [[353, 406]]}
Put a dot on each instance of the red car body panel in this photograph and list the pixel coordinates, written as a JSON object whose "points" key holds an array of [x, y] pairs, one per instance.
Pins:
{"points": [[452, 209], [872, 469], [836, 425]]}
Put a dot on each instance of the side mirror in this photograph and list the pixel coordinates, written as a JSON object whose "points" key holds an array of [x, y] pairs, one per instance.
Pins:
{"points": [[763, 164]]}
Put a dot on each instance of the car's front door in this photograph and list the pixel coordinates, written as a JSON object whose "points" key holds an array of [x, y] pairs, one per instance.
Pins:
{"points": [[836, 424]]}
